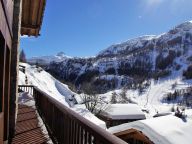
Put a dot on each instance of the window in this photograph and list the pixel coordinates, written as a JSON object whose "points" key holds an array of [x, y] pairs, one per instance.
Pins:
{"points": [[6, 92], [2, 63]]}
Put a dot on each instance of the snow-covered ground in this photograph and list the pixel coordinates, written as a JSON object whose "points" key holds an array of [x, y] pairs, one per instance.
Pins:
{"points": [[162, 130], [59, 91], [151, 98]]}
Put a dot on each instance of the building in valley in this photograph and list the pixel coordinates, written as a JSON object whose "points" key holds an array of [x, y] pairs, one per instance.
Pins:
{"points": [[116, 114]]}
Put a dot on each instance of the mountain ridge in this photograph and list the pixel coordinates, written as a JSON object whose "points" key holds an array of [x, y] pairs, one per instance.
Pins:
{"points": [[129, 63]]}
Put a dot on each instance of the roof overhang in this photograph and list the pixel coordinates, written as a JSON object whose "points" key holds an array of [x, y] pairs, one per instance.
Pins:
{"points": [[32, 17]]}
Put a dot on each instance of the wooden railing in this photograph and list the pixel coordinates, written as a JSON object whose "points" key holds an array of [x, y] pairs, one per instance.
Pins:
{"points": [[26, 88], [66, 126]]}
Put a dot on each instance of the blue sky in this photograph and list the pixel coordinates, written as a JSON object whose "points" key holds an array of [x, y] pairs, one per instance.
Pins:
{"points": [[85, 27]]}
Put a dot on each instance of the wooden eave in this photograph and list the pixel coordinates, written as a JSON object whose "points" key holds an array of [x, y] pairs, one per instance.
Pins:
{"points": [[32, 17], [130, 133]]}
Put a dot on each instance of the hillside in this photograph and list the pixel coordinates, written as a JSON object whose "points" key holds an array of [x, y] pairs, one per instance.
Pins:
{"points": [[38, 77], [149, 67]]}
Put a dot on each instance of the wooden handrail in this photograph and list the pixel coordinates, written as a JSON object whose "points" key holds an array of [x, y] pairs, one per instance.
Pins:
{"points": [[67, 126], [26, 88]]}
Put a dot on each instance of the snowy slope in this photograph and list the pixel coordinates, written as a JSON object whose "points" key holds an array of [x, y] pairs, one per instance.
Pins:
{"points": [[120, 61], [44, 81], [140, 42], [151, 98], [128, 45], [162, 130], [108, 68]]}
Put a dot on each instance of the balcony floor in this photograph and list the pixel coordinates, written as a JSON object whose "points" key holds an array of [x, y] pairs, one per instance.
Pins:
{"points": [[28, 130]]}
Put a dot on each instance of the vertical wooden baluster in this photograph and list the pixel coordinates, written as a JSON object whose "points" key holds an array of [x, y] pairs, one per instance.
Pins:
{"points": [[82, 135], [86, 137], [77, 133], [89, 138]]}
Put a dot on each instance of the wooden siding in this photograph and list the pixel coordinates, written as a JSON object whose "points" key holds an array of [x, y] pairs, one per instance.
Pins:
{"points": [[133, 136], [5, 22], [114, 122], [6, 16], [8, 7], [32, 15]]}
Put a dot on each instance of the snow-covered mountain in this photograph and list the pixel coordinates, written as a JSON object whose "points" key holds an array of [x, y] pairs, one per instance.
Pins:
{"points": [[129, 64], [45, 60], [178, 35]]}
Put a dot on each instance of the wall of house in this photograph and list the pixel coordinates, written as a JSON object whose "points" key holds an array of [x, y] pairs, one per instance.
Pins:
{"points": [[133, 136], [114, 122], [6, 15], [16, 28]]}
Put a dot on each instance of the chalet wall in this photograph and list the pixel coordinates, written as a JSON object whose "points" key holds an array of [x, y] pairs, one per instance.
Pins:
{"points": [[6, 14], [2, 64], [134, 136], [5, 21], [15, 64], [114, 122]]}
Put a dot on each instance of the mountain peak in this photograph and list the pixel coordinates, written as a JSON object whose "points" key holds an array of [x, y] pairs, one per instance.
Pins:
{"points": [[186, 26], [60, 54]]}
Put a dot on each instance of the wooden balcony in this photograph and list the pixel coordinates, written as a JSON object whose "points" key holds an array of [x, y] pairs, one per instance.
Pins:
{"points": [[66, 126], [27, 129]]}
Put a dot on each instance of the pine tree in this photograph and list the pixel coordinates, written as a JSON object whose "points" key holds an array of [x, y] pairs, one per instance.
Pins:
{"points": [[123, 96], [113, 98], [22, 57]]}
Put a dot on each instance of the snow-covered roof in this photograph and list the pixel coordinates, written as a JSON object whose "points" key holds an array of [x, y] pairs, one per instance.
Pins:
{"points": [[123, 111], [162, 130]]}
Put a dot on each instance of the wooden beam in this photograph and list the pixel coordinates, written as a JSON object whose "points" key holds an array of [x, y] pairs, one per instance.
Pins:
{"points": [[30, 26], [135, 134], [32, 16], [15, 65]]}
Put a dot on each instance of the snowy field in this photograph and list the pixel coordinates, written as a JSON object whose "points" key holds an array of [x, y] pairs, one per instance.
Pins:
{"points": [[162, 130]]}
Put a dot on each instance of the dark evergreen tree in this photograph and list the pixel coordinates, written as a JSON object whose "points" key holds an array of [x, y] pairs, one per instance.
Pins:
{"points": [[113, 98], [22, 57], [123, 96]]}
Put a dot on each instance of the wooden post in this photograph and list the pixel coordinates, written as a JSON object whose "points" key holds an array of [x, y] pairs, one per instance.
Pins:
{"points": [[15, 65]]}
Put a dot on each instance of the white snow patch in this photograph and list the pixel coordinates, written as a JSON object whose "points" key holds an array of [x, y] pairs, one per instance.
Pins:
{"points": [[81, 109], [161, 130]]}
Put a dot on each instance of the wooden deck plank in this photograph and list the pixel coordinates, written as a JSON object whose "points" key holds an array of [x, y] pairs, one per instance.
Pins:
{"points": [[27, 129]]}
